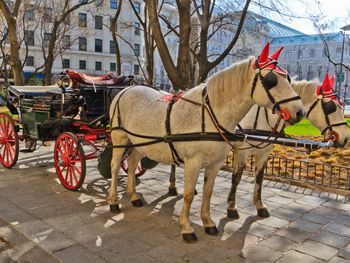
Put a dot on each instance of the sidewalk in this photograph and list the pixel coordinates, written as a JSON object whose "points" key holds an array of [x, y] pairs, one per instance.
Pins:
{"points": [[45, 219]]}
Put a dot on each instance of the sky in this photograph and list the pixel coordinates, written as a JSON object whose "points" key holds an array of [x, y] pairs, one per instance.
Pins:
{"points": [[337, 11]]}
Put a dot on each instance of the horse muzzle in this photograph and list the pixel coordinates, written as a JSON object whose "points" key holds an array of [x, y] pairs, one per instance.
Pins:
{"points": [[335, 138]]}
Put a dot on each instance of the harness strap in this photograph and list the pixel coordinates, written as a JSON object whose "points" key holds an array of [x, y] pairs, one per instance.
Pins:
{"points": [[267, 118], [312, 107], [256, 118], [277, 104], [177, 159], [330, 126]]}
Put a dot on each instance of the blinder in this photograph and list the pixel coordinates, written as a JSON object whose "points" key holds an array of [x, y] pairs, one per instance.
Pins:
{"points": [[329, 107], [269, 80]]}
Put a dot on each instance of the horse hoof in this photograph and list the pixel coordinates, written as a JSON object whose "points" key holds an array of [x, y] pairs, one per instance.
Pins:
{"points": [[137, 203], [263, 213], [190, 237], [232, 214], [114, 208], [212, 230], [172, 191]]}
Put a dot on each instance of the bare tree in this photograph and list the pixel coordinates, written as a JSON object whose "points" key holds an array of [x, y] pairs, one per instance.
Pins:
{"points": [[57, 42], [10, 13], [179, 73], [114, 29]]}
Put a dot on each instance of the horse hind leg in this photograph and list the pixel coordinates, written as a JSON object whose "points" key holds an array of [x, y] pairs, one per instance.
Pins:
{"points": [[209, 179], [172, 180], [118, 138], [260, 161], [133, 161], [240, 158]]}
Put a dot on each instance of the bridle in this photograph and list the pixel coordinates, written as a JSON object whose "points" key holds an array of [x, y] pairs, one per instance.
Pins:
{"points": [[269, 81], [327, 108]]}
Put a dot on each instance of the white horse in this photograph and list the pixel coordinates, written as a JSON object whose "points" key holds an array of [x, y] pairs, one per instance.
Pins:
{"points": [[138, 114], [323, 110]]}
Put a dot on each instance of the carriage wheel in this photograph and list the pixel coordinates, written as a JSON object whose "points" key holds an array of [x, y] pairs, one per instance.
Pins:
{"points": [[69, 161], [124, 164], [9, 144]]}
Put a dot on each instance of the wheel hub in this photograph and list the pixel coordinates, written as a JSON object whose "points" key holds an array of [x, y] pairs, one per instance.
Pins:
{"points": [[66, 161], [2, 140]]}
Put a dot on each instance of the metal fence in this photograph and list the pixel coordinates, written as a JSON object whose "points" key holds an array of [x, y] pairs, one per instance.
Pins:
{"points": [[320, 176]]}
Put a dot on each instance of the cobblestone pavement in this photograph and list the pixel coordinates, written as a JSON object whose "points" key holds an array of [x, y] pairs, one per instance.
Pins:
{"points": [[40, 221]]}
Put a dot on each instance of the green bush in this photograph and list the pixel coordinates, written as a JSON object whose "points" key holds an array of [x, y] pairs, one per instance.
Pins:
{"points": [[34, 81]]}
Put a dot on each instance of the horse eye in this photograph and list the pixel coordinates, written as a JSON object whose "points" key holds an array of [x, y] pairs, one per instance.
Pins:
{"points": [[329, 107], [289, 79], [270, 80]]}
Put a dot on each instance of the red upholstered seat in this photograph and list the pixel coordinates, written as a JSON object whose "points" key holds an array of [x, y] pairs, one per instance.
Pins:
{"points": [[108, 79]]}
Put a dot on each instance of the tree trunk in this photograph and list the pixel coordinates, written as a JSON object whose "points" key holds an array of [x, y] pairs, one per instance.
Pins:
{"points": [[15, 61], [50, 55]]}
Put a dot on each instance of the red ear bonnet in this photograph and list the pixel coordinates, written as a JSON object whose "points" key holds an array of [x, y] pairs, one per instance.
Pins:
{"points": [[264, 60], [327, 89], [275, 55]]}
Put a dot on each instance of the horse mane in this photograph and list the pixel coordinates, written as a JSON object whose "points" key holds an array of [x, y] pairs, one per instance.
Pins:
{"points": [[306, 89], [234, 77]]}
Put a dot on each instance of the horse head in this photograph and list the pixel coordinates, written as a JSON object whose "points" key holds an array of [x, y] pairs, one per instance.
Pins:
{"points": [[326, 113], [271, 87]]}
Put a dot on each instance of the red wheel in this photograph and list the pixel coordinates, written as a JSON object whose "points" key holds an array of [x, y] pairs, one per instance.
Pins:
{"points": [[69, 161], [9, 144], [124, 164]]}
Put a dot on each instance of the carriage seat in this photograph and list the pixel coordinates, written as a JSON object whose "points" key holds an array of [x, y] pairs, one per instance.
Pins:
{"points": [[108, 79]]}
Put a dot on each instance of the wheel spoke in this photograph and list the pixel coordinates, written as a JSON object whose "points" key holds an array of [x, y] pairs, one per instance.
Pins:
{"points": [[7, 126], [74, 175], [70, 176], [66, 176], [76, 169]]}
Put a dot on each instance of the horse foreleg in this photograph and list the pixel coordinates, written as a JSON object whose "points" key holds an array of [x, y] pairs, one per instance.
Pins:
{"points": [[192, 168], [118, 138], [172, 181], [260, 161], [240, 158], [133, 161], [209, 179]]}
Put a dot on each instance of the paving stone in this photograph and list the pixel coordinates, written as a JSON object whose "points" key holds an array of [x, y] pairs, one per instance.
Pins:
{"points": [[294, 234], [331, 239], [338, 229], [317, 218], [343, 219], [166, 251], [290, 195], [338, 260], [311, 200], [260, 230], [299, 208], [286, 213], [274, 222], [345, 252], [337, 205], [306, 225], [278, 243], [259, 253], [78, 254], [294, 256], [317, 250], [279, 200]]}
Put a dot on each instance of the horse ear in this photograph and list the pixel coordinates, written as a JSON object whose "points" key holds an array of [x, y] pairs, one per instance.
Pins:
{"points": [[264, 53], [275, 55], [325, 83], [331, 81]]}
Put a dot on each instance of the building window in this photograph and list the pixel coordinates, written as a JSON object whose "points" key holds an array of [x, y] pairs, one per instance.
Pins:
{"points": [[137, 49], [65, 63], [66, 42], [98, 45], [312, 53], [99, 3], [46, 40], [136, 70], [29, 37], [137, 28], [112, 47], [112, 66], [137, 7], [29, 14], [98, 22], [98, 65], [82, 44], [30, 61], [83, 1], [82, 20], [48, 14], [82, 64], [113, 4]]}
